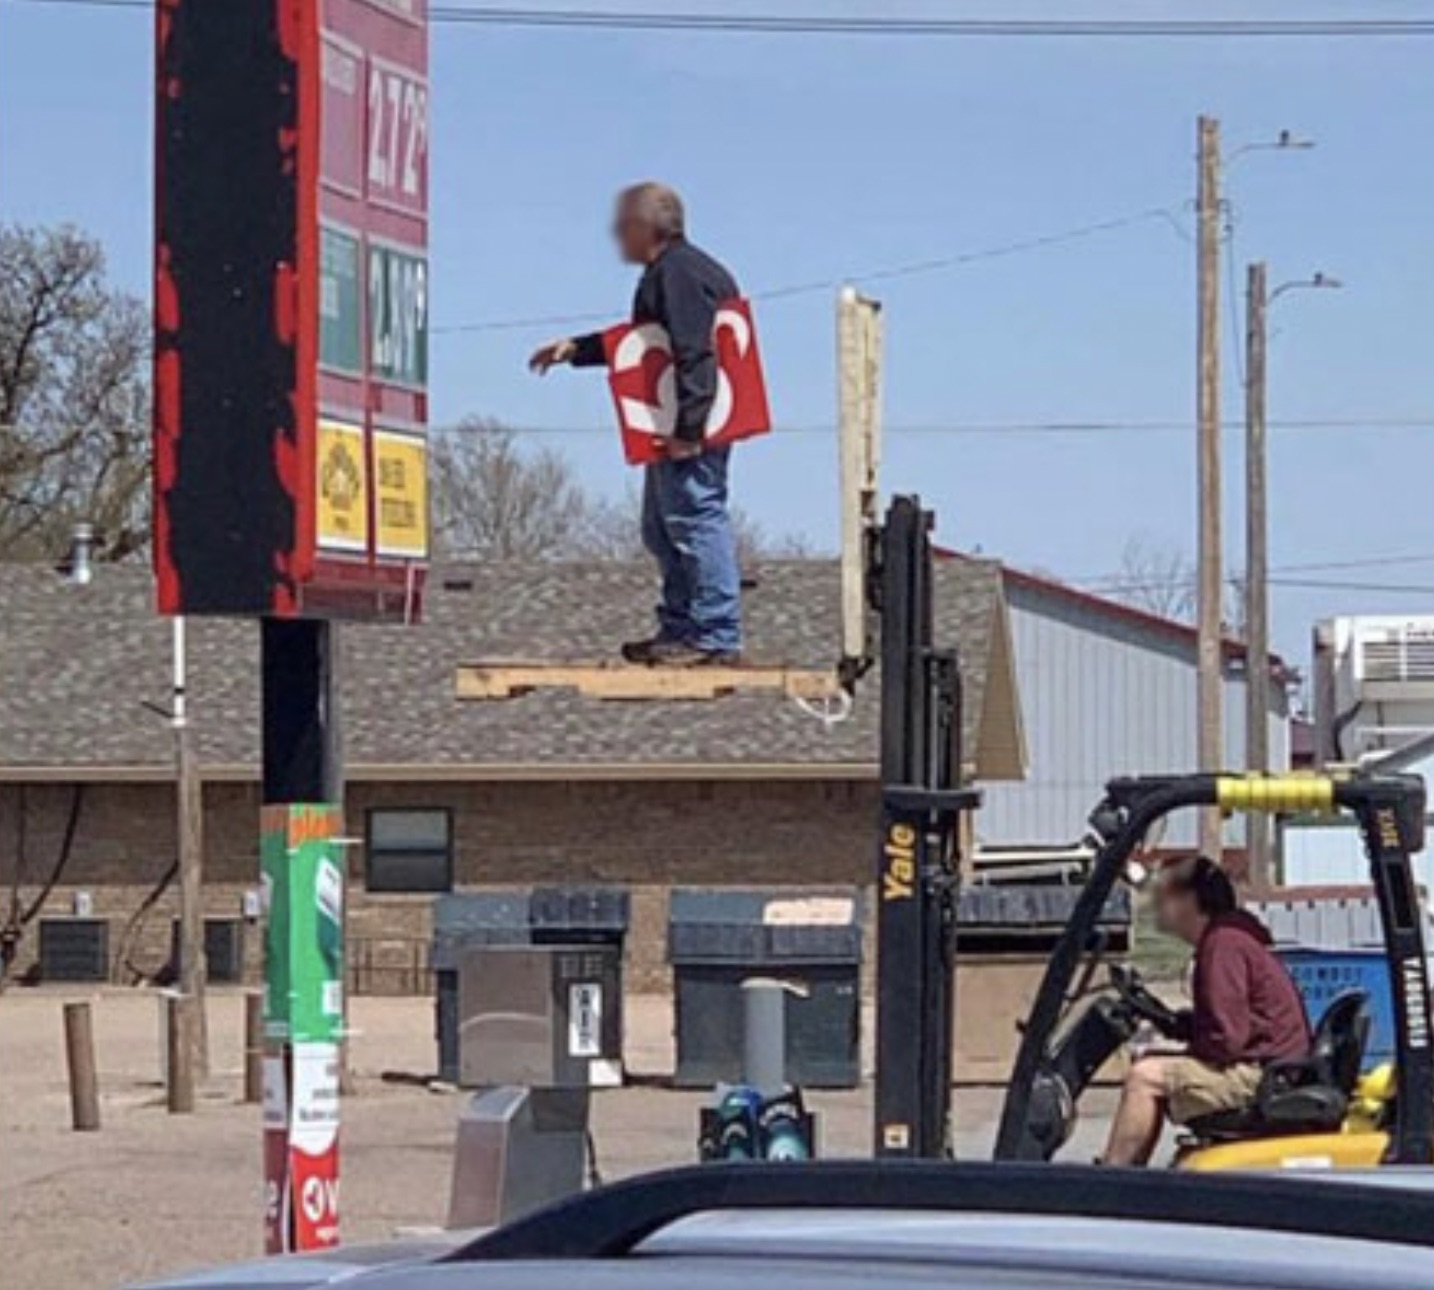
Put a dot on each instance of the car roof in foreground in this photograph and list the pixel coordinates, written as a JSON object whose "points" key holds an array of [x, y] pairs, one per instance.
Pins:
{"points": [[835, 1224]]}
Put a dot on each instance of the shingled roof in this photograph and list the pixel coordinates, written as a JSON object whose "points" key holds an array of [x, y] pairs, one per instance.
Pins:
{"points": [[79, 664]]}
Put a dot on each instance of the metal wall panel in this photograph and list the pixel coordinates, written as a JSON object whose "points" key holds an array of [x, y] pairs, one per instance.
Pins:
{"points": [[1103, 694]]}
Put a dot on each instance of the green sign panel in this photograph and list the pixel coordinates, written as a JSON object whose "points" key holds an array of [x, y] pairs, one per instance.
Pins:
{"points": [[303, 879], [340, 316], [398, 315]]}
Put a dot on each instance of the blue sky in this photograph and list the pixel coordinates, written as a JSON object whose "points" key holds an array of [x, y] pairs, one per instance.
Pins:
{"points": [[807, 159]]}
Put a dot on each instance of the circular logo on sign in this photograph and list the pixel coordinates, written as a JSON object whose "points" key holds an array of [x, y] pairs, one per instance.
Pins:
{"points": [[340, 479], [312, 1199]]}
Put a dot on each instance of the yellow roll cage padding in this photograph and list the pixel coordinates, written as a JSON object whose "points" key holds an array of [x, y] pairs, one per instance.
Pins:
{"points": [[1275, 793]]}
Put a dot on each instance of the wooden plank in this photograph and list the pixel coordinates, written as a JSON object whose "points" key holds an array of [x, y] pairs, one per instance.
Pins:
{"points": [[617, 681]]}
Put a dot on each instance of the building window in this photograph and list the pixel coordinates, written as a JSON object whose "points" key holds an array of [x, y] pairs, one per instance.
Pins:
{"points": [[410, 850]]}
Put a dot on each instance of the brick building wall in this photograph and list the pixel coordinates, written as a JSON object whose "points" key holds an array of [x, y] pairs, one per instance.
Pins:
{"points": [[648, 835]]}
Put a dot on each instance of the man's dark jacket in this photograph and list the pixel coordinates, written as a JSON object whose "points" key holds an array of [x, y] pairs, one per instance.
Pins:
{"points": [[680, 291], [1247, 1009]]}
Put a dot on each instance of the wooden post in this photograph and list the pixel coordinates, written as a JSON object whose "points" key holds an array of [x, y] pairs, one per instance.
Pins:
{"points": [[1209, 678], [254, 1047], [1257, 604], [189, 795], [80, 1059], [181, 1054]]}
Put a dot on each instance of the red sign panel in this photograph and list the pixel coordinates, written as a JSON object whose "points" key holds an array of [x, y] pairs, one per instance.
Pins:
{"points": [[372, 389], [291, 307], [644, 384]]}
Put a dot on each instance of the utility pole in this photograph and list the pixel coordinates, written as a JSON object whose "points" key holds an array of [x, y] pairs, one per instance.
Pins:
{"points": [[1257, 603], [189, 798], [1209, 698], [1259, 300]]}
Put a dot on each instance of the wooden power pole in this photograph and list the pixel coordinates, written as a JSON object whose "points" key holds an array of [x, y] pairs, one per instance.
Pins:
{"points": [[1257, 604], [189, 794], [1209, 697]]}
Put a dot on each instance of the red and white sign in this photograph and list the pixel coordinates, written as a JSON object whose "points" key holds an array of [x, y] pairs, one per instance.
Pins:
{"points": [[314, 1146], [301, 1148], [643, 380]]}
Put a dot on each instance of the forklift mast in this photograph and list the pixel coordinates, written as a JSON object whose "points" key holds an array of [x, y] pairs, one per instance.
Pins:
{"points": [[917, 865]]}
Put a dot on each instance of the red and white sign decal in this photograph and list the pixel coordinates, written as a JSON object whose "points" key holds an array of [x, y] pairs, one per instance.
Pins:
{"points": [[314, 1146], [644, 384]]}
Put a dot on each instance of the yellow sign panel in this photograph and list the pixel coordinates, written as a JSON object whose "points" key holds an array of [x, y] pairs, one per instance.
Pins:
{"points": [[343, 487], [401, 464]]}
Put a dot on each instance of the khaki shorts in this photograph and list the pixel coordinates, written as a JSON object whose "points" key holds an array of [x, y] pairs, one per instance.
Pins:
{"points": [[1195, 1088]]}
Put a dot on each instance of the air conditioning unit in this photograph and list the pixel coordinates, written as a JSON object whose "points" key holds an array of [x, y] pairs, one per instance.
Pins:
{"points": [[74, 950], [1374, 683]]}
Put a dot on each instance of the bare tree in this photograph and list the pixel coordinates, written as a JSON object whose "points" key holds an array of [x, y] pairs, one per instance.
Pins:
{"points": [[74, 398], [1161, 580], [613, 531], [494, 500], [1157, 579]]}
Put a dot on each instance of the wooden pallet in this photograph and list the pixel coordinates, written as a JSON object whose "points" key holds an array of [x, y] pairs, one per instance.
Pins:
{"points": [[622, 681]]}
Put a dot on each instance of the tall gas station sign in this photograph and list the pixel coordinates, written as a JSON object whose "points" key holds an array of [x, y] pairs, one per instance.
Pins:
{"points": [[290, 461], [292, 307]]}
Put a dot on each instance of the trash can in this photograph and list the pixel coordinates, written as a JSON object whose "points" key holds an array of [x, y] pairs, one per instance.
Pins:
{"points": [[580, 915], [593, 916], [718, 939], [1323, 975], [1332, 940]]}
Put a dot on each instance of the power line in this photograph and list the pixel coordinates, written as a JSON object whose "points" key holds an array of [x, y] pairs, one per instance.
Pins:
{"points": [[888, 27], [885, 273], [1008, 428], [1119, 582], [1116, 590]]}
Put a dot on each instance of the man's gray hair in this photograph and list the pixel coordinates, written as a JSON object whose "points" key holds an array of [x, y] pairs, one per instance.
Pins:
{"points": [[658, 206]]}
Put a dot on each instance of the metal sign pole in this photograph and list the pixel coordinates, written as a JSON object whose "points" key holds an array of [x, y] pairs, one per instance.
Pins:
{"points": [[303, 875]]}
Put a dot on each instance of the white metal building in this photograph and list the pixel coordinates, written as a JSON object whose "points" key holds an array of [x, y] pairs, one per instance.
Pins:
{"points": [[1108, 690]]}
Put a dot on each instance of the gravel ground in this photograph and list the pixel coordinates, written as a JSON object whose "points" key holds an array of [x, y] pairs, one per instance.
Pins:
{"points": [[152, 1193]]}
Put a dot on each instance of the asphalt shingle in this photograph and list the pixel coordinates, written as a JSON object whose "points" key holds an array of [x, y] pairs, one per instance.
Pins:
{"points": [[79, 664]]}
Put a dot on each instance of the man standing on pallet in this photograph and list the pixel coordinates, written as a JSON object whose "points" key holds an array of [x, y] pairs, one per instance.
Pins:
{"points": [[686, 524]]}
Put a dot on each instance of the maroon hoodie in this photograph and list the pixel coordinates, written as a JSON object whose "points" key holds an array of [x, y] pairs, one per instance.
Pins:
{"points": [[1247, 1008]]}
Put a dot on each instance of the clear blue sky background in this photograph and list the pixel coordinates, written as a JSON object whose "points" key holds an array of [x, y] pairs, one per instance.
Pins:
{"points": [[808, 158]]}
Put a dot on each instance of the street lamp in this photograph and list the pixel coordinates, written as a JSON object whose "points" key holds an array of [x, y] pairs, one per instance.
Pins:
{"points": [[1257, 597]]}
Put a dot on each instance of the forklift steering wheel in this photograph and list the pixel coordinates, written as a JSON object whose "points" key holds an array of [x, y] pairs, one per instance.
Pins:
{"points": [[1134, 993]]}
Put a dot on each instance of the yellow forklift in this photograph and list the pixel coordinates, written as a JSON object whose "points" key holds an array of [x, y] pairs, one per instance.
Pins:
{"points": [[1313, 1111]]}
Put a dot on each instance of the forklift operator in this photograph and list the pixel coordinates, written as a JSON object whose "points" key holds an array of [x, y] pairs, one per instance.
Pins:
{"points": [[1247, 1012]]}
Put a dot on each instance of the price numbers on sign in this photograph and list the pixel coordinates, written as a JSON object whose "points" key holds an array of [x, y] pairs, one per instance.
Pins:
{"points": [[397, 138], [398, 315]]}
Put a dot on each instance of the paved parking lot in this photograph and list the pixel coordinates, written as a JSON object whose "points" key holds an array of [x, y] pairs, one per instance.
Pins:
{"points": [[153, 1193]]}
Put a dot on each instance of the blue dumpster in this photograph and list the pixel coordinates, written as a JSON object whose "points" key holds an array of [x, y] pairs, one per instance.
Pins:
{"points": [[1323, 975]]}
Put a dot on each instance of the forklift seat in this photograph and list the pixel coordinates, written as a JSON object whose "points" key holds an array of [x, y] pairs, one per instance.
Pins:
{"points": [[1306, 1094]]}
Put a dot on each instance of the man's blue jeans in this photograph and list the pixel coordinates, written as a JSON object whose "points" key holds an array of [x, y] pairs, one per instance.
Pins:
{"points": [[687, 527]]}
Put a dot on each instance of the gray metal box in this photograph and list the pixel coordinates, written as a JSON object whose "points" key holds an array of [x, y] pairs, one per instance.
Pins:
{"points": [[546, 1016], [517, 1150]]}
